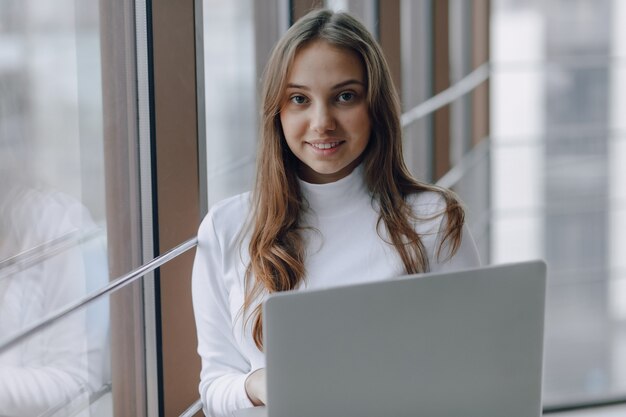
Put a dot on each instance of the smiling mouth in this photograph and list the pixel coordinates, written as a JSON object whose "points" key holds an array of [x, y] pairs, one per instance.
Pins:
{"points": [[329, 145]]}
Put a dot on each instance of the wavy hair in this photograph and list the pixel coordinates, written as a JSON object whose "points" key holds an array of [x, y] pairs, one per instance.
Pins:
{"points": [[276, 247]]}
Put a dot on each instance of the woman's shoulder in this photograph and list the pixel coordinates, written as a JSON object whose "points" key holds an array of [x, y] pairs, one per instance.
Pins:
{"points": [[231, 206], [226, 217], [428, 203]]}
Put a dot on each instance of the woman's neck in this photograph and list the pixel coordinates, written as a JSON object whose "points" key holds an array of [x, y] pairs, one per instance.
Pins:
{"points": [[336, 198]]}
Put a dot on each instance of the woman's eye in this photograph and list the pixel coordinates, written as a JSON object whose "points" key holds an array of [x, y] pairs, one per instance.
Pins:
{"points": [[298, 99], [346, 96]]}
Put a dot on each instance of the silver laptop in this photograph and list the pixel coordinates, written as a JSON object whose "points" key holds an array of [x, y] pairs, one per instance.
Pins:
{"points": [[462, 344]]}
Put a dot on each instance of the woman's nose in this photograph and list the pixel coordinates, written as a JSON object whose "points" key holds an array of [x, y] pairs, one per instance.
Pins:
{"points": [[322, 119]]}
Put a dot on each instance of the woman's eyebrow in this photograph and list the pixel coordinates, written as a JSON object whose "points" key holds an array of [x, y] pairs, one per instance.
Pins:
{"points": [[334, 87], [348, 82], [298, 86]]}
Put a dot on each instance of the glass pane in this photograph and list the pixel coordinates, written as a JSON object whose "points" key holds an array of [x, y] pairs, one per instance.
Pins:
{"points": [[580, 330], [61, 370], [52, 211], [60, 197], [558, 157], [230, 85], [52, 206]]}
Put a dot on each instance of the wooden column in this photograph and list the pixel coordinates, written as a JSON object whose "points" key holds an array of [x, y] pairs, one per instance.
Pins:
{"points": [[480, 55], [122, 204], [441, 81], [177, 191], [301, 7], [389, 38]]}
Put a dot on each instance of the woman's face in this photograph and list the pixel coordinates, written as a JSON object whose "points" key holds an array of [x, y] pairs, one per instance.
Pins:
{"points": [[324, 114]]}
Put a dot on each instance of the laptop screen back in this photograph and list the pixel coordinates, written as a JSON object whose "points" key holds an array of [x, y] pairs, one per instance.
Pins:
{"points": [[464, 344]]}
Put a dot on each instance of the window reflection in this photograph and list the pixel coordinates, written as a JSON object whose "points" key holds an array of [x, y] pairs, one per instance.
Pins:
{"points": [[52, 244], [51, 255]]}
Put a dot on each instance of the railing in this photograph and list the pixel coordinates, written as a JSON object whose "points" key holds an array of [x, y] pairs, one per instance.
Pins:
{"points": [[447, 96], [193, 409], [46, 250], [114, 285]]}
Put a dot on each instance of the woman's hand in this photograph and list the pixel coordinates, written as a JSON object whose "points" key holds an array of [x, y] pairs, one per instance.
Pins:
{"points": [[256, 387]]}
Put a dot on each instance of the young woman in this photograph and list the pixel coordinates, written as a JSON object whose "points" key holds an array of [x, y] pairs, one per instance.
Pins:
{"points": [[333, 203]]}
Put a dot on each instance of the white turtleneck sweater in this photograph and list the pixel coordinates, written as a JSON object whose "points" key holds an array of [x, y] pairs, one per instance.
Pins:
{"points": [[343, 247]]}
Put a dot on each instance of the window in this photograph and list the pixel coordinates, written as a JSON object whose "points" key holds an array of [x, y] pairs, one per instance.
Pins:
{"points": [[557, 153], [53, 220]]}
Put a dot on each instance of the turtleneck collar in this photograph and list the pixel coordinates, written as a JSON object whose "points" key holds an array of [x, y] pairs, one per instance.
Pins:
{"points": [[339, 197]]}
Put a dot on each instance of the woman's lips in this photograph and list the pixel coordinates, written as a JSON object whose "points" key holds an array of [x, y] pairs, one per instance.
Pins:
{"points": [[325, 145]]}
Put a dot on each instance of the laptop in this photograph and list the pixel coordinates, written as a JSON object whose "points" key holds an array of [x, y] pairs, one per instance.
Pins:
{"points": [[460, 344]]}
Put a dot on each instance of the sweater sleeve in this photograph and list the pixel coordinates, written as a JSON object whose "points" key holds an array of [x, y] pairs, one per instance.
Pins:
{"points": [[224, 367]]}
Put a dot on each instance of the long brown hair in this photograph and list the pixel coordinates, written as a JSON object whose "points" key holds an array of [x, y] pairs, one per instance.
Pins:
{"points": [[276, 247]]}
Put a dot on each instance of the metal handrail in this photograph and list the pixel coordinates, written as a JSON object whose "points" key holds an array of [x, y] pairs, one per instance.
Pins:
{"points": [[447, 96], [469, 160], [45, 250], [114, 285], [193, 409]]}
